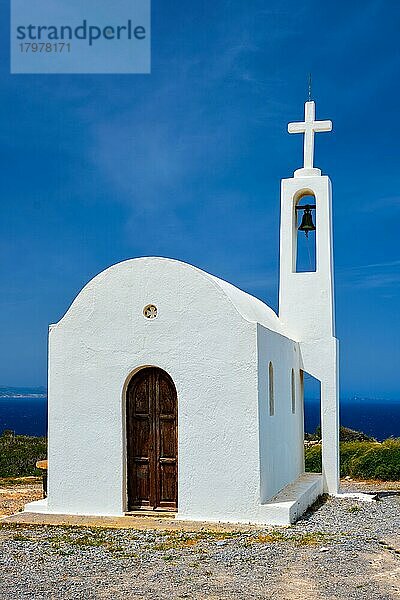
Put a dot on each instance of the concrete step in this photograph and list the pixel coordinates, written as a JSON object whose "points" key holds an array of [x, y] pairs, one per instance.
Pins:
{"points": [[293, 500]]}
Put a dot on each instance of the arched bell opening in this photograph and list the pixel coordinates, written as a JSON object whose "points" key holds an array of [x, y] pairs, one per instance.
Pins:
{"points": [[304, 233]]}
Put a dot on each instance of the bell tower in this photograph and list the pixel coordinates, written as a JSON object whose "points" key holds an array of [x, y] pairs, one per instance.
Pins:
{"points": [[306, 299]]}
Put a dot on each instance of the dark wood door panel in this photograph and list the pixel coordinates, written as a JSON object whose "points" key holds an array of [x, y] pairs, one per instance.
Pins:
{"points": [[168, 480], [167, 429], [166, 395], [141, 399], [141, 488], [141, 431], [152, 440]]}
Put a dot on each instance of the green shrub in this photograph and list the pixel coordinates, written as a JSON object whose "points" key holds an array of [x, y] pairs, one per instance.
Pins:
{"points": [[363, 460], [377, 461], [19, 453], [313, 459]]}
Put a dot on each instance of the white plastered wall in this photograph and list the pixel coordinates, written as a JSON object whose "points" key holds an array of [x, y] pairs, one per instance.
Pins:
{"points": [[281, 434], [209, 350]]}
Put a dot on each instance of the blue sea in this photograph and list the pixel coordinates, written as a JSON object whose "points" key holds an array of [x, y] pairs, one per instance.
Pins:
{"points": [[25, 412], [377, 418]]}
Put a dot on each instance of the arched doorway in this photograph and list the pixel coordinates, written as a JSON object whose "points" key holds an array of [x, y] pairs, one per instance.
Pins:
{"points": [[152, 441]]}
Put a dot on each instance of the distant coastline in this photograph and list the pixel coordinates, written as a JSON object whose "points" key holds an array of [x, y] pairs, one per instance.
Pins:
{"points": [[23, 392], [23, 395]]}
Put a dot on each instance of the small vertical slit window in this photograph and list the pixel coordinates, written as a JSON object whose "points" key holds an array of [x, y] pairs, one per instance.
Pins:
{"points": [[271, 389], [293, 386]]}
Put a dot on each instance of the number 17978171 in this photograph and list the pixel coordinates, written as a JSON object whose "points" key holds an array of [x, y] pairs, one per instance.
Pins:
{"points": [[45, 47]]}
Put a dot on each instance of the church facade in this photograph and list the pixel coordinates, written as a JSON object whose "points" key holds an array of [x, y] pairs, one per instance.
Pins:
{"points": [[172, 390]]}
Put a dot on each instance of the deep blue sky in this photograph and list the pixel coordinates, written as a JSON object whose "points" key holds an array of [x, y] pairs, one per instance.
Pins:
{"points": [[187, 162]]}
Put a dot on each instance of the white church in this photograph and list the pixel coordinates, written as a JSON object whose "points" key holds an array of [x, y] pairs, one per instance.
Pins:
{"points": [[173, 390]]}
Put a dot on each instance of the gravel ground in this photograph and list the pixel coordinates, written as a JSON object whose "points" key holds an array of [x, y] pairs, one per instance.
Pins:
{"points": [[343, 549], [14, 493]]}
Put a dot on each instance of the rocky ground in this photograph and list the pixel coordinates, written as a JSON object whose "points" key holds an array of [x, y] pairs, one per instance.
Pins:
{"points": [[343, 549]]}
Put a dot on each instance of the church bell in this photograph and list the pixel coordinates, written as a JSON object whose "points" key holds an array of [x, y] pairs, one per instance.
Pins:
{"points": [[306, 224]]}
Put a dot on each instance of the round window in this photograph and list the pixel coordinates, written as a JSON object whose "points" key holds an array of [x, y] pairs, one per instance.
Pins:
{"points": [[150, 311]]}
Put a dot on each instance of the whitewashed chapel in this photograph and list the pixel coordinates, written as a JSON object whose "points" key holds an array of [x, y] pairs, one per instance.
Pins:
{"points": [[170, 389]]}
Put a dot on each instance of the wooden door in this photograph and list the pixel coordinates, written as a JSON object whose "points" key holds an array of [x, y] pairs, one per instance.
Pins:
{"points": [[152, 441]]}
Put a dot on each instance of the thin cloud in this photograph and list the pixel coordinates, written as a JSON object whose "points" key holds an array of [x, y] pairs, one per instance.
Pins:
{"points": [[377, 281], [387, 275], [390, 263]]}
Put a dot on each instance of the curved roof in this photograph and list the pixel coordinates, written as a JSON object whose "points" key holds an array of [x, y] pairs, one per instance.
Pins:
{"points": [[250, 308]]}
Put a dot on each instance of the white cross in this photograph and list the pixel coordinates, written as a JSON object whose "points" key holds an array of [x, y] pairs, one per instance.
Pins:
{"points": [[309, 127]]}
